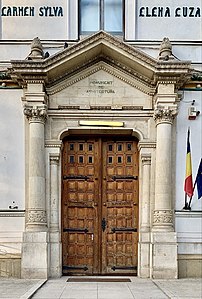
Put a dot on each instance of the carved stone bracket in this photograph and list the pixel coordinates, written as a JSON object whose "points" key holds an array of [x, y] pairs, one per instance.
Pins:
{"points": [[36, 113], [163, 217], [165, 115], [36, 217]]}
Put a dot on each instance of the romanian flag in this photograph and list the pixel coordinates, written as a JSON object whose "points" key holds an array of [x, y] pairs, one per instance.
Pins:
{"points": [[188, 184]]}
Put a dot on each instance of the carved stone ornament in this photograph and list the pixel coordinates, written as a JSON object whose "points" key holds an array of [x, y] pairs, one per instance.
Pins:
{"points": [[163, 217], [36, 49], [36, 113], [165, 115], [146, 159], [36, 216], [165, 52], [54, 159]]}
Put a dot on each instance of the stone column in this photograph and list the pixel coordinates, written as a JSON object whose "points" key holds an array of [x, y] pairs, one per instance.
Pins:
{"points": [[36, 217], [55, 236], [163, 213], [144, 235], [34, 262], [163, 238]]}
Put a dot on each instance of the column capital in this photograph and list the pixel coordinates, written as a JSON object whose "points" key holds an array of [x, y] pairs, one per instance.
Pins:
{"points": [[146, 159], [36, 113], [54, 158], [165, 114]]}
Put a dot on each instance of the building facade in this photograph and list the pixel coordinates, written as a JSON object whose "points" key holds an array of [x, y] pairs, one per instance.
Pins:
{"points": [[96, 98]]}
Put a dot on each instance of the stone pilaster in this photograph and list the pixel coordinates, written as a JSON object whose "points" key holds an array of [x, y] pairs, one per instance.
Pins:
{"points": [[144, 235], [146, 171], [55, 236]]}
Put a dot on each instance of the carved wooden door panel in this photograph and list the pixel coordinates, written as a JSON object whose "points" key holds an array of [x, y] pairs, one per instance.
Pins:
{"points": [[80, 206], [99, 206], [120, 207]]}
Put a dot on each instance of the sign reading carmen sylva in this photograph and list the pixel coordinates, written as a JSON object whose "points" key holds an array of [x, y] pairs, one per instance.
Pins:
{"points": [[31, 11]]}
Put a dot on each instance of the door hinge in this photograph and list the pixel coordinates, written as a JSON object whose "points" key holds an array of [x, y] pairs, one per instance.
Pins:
{"points": [[75, 230], [123, 229], [114, 268]]}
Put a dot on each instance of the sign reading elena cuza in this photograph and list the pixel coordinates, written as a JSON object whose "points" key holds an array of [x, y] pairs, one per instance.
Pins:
{"points": [[178, 20]]}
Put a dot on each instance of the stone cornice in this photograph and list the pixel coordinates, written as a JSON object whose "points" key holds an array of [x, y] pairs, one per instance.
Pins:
{"points": [[106, 48]]}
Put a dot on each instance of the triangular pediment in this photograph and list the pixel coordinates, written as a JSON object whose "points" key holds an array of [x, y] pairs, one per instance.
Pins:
{"points": [[100, 47], [100, 88]]}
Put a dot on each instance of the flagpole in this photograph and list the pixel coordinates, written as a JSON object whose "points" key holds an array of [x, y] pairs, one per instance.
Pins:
{"points": [[186, 206], [189, 205]]}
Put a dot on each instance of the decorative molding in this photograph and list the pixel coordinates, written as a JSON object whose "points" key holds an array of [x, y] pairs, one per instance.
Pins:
{"points": [[162, 217], [36, 217], [53, 143], [9, 213], [146, 144], [36, 113], [165, 114]]}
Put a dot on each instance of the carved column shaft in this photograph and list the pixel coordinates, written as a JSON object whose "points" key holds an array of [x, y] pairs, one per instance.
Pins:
{"points": [[54, 196], [36, 218], [163, 216], [146, 170]]}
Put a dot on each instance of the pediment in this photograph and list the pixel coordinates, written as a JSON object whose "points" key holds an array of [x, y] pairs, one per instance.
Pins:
{"points": [[100, 88], [100, 47], [94, 72]]}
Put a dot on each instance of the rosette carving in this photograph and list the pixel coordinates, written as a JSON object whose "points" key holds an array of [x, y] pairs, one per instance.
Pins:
{"points": [[36, 113]]}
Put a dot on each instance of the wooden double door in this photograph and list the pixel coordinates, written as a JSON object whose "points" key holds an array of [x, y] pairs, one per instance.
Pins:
{"points": [[99, 206]]}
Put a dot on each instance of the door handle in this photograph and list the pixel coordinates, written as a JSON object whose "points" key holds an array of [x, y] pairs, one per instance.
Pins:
{"points": [[103, 224]]}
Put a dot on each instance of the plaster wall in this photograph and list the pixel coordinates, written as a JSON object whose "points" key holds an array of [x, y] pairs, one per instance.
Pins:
{"points": [[12, 155]]}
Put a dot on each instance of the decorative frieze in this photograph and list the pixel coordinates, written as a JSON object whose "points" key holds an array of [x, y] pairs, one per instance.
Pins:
{"points": [[165, 115], [36, 113], [163, 217], [36, 216]]}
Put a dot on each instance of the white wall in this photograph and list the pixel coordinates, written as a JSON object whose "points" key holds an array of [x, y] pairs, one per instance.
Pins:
{"points": [[196, 145], [12, 156]]}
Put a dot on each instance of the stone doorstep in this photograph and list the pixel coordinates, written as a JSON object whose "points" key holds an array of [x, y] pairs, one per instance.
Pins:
{"points": [[34, 289]]}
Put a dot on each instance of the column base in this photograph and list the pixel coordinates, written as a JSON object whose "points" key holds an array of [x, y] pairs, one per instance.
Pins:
{"points": [[34, 262], [55, 255], [164, 255], [144, 255]]}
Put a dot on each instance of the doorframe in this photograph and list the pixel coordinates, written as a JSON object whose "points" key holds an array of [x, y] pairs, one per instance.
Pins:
{"points": [[142, 145], [145, 147]]}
